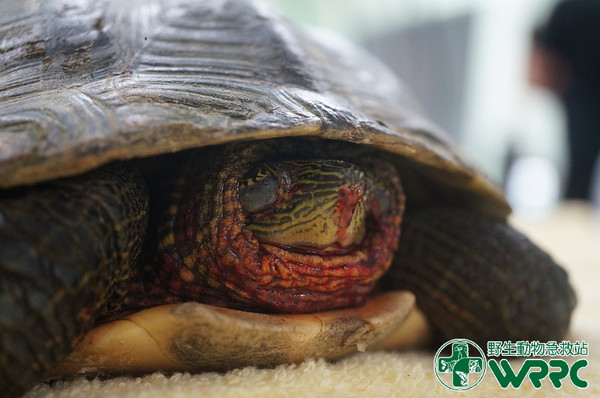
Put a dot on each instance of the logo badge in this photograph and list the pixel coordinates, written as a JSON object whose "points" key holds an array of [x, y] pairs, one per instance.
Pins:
{"points": [[460, 364]]}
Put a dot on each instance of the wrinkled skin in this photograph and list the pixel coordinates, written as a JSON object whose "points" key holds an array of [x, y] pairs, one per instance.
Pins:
{"points": [[465, 269], [324, 241]]}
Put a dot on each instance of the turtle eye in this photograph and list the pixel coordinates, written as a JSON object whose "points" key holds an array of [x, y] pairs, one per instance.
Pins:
{"points": [[259, 192]]}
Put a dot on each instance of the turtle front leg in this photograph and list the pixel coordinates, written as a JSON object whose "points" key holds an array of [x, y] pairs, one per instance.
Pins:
{"points": [[480, 279], [65, 248]]}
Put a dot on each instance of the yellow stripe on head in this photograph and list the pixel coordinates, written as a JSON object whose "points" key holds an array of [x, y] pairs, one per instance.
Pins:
{"points": [[306, 204]]}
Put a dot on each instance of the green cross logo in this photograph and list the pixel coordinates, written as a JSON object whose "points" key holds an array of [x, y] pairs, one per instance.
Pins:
{"points": [[459, 365]]}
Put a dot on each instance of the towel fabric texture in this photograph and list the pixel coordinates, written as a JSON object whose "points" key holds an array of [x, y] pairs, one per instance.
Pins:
{"points": [[571, 234]]}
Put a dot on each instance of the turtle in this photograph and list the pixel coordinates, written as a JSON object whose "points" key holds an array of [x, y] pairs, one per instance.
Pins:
{"points": [[204, 186]]}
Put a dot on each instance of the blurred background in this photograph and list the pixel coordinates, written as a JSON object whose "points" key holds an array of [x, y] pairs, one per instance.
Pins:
{"points": [[467, 62]]}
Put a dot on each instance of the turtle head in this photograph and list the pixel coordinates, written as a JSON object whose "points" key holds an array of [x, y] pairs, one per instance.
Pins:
{"points": [[291, 235], [314, 206]]}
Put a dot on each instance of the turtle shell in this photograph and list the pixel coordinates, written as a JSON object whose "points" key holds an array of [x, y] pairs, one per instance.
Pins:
{"points": [[84, 83]]}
